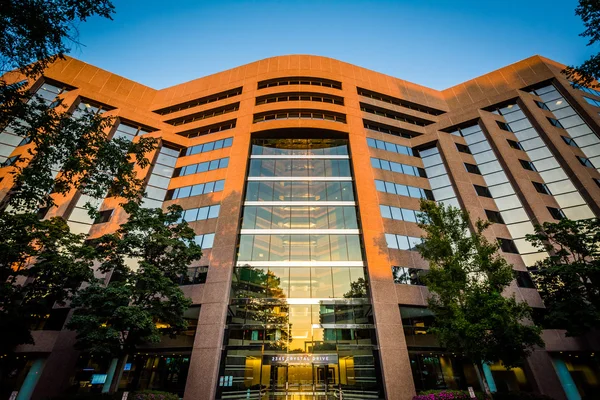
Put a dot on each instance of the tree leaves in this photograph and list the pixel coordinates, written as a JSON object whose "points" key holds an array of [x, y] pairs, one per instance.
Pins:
{"points": [[569, 279], [467, 278], [145, 256]]}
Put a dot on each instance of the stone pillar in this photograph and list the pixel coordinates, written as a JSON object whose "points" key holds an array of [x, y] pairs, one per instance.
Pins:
{"points": [[31, 379]]}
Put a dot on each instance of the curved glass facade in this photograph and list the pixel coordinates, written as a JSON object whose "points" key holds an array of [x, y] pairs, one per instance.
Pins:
{"points": [[300, 320]]}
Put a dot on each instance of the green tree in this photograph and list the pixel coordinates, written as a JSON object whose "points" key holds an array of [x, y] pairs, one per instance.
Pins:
{"points": [[32, 251], [466, 279], [589, 70], [569, 279], [142, 300]]}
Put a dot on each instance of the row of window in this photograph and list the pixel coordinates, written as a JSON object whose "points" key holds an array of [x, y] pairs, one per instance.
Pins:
{"points": [[299, 114], [195, 190], [160, 177], [206, 130], [198, 102], [439, 180], [202, 167], [129, 131], [390, 130], [281, 283], [398, 102], [273, 283], [205, 147], [299, 167], [299, 80], [401, 214], [300, 96], [299, 147], [593, 102], [397, 167], [401, 242], [205, 241], [542, 159], [403, 190], [10, 139], [200, 214], [299, 248], [585, 89], [299, 217], [299, 191], [394, 115], [414, 276], [394, 148], [567, 118], [213, 112]]}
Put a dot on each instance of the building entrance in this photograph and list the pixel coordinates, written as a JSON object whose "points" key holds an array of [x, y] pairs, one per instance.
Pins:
{"points": [[307, 380]]}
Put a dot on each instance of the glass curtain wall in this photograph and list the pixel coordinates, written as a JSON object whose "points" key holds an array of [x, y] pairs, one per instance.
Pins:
{"points": [[509, 205], [80, 220], [438, 177], [300, 321], [556, 179], [576, 129]]}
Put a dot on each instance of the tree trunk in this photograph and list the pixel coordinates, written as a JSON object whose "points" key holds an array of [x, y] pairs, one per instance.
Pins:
{"points": [[114, 385], [482, 381]]}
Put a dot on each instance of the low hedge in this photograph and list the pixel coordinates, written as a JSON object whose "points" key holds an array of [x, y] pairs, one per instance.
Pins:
{"points": [[449, 395], [141, 395], [521, 396], [464, 395], [153, 395]]}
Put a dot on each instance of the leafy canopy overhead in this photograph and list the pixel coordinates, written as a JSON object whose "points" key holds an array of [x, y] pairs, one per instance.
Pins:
{"points": [[589, 71], [35, 33]]}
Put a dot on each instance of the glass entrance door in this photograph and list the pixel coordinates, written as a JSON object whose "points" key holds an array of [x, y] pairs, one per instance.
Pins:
{"points": [[325, 378], [279, 378]]}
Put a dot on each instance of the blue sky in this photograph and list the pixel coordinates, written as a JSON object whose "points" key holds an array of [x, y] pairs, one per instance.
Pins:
{"points": [[433, 43]]}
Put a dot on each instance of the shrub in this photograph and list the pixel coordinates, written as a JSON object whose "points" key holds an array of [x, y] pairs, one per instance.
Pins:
{"points": [[448, 395], [88, 396], [153, 395], [521, 396]]}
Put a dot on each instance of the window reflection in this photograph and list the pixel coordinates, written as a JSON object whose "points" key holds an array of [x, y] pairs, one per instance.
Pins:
{"points": [[298, 282]]}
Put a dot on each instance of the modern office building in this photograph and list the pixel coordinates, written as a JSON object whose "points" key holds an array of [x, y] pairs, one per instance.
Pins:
{"points": [[302, 177]]}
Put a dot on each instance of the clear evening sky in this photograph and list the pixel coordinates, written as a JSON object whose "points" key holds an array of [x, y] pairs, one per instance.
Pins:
{"points": [[433, 43]]}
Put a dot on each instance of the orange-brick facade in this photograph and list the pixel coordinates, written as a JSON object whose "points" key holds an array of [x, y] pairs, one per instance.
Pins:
{"points": [[518, 146]]}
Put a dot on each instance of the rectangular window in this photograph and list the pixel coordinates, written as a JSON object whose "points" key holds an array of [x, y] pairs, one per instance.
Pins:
{"points": [[508, 246], [494, 216], [585, 162], [202, 167], [10, 161], [541, 105], [556, 213], [103, 217], [408, 276], [205, 241], [541, 188], [524, 280], [203, 148], [503, 126], [527, 165], [569, 141], [554, 122], [462, 148], [482, 191], [593, 102], [514, 145], [472, 168]]}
